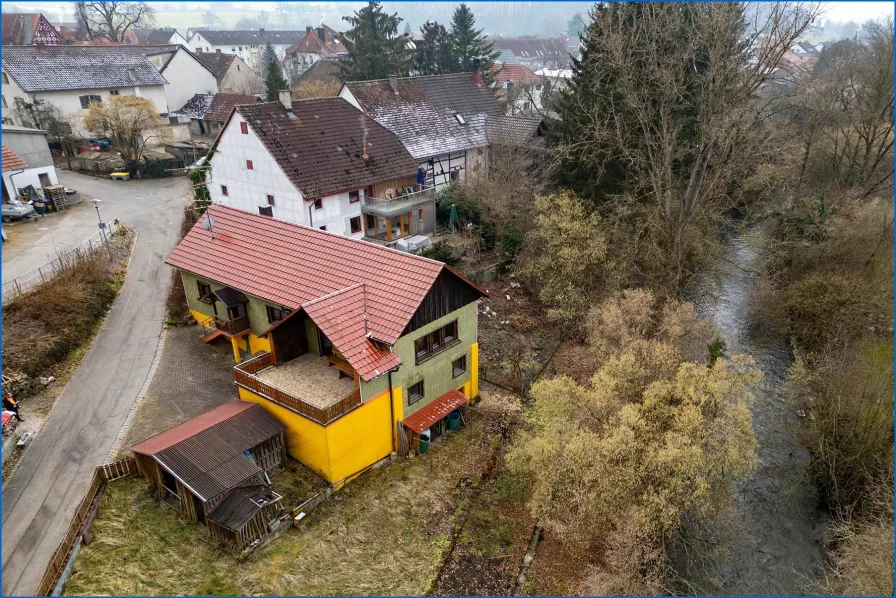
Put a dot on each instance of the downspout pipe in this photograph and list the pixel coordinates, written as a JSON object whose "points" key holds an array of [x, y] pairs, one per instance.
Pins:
{"points": [[15, 190], [392, 415]]}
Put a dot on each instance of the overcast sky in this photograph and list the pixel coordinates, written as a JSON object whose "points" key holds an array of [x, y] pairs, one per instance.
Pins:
{"points": [[857, 11]]}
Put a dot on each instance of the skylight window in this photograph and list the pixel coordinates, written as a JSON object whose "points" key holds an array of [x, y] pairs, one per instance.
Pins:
{"points": [[460, 119]]}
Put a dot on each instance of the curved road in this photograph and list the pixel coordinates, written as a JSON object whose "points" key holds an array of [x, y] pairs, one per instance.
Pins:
{"points": [[54, 473]]}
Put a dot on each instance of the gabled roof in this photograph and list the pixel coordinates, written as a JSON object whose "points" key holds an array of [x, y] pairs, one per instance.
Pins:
{"points": [[532, 48], [216, 62], [329, 47], [520, 74], [422, 113], [12, 161], [155, 36], [319, 148], [19, 28], [294, 266], [80, 67], [219, 37], [197, 106], [206, 452], [323, 70], [222, 105], [512, 130], [241, 505]]}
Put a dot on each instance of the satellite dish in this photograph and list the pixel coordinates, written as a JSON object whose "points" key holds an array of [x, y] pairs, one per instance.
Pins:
{"points": [[208, 223]]}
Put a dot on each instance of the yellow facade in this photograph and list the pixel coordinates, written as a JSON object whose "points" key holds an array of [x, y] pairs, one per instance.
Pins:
{"points": [[251, 344], [474, 371], [341, 449]]}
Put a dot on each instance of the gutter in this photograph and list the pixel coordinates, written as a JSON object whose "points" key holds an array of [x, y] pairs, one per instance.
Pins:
{"points": [[15, 194]]}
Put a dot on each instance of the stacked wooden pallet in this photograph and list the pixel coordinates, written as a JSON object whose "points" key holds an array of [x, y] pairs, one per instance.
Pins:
{"points": [[56, 194]]}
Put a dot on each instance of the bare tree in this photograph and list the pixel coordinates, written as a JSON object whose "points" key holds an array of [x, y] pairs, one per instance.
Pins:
{"points": [[672, 90], [129, 121], [111, 20], [43, 115], [210, 19]]}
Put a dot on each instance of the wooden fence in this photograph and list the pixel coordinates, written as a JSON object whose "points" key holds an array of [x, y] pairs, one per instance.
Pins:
{"points": [[101, 475]]}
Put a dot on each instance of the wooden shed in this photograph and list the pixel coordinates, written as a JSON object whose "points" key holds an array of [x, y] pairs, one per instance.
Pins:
{"points": [[196, 465], [247, 514]]}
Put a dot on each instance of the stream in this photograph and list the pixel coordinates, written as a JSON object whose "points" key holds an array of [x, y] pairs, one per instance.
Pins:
{"points": [[778, 506]]}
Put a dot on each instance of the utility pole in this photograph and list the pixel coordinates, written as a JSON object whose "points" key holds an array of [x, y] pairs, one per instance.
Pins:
{"points": [[96, 204]]}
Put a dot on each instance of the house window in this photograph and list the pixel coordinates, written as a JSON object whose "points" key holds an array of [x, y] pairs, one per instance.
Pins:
{"points": [[318, 204], [415, 392], [244, 128], [420, 215], [355, 224], [354, 196], [324, 227], [238, 66], [271, 200], [4, 102], [86, 100], [275, 314], [205, 291], [5, 78], [453, 175], [436, 341], [371, 222], [459, 366], [249, 165], [538, 87], [224, 190], [113, 92], [199, 50], [233, 49]]}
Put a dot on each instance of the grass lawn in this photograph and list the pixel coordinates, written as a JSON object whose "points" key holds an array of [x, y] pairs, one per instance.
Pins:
{"points": [[386, 533]]}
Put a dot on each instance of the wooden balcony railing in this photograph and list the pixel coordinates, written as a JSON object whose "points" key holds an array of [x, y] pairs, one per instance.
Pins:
{"points": [[244, 376], [232, 326]]}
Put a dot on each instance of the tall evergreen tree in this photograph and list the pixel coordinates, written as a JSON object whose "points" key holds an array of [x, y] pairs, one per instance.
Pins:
{"points": [[576, 25], [273, 79], [435, 52], [469, 43], [375, 48]]}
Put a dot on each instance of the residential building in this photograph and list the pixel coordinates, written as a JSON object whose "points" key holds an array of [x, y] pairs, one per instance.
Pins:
{"points": [[321, 76], [356, 348], [535, 52], [320, 43], [518, 88], [248, 45], [320, 163], [208, 112], [70, 77], [214, 469], [18, 173], [232, 73], [440, 119], [161, 37], [26, 29]]}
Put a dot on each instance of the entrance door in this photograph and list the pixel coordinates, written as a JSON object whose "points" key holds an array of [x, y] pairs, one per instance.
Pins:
{"points": [[44, 179], [237, 311]]}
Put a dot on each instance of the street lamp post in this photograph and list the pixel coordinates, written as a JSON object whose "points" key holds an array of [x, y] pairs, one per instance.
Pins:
{"points": [[96, 204]]}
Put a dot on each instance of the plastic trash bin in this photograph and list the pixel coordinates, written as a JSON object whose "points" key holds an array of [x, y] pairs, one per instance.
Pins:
{"points": [[424, 442], [453, 420]]}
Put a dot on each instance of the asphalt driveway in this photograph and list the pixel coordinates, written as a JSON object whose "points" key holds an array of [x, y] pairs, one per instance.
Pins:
{"points": [[53, 475]]}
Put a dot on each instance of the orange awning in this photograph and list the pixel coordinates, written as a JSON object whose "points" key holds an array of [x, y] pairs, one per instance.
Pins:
{"points": [[439, 408]]}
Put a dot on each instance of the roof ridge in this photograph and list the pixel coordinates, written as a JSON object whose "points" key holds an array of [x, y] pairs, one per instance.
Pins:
{"points": [[316, 300]]}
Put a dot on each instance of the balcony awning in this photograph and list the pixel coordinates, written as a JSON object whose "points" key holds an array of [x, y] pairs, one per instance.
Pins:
{"points": [[439, 408], [230, 297]]}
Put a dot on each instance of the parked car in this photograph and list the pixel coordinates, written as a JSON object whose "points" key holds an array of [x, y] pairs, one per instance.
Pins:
{"points": [[14, 211], [103, 144]]}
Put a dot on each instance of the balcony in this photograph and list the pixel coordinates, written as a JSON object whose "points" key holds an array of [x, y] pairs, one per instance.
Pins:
{"points": [[400, 204], [307, 385], [215, 324]]}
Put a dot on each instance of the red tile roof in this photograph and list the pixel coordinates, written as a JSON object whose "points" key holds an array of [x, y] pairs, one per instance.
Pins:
{"points": [[223, 104], [342, 317], [520, 74], [191, 427], [430, 414], [294, 265], [12, 161], [330, 47]]}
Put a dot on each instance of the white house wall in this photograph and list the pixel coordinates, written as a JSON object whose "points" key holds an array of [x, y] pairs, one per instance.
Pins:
{"points": [[186, 77], [251, 54], [13, 180], [249, 189], [240, 78], [439, 168]]}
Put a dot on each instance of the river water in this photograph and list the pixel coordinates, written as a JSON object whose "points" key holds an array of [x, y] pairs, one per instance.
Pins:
{"points": [[778, 506]]}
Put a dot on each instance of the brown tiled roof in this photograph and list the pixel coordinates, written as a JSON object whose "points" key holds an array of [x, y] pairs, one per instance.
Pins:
{"points": [[12, 161], [216, 62], [206, 452], [224, 103], [520, 74], [324, 70], [19, 29], [319, 148], [434, 411], [330, 47], [531, 48], [293, 265]]}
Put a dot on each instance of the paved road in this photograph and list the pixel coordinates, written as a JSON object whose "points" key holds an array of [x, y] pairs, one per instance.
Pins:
{"points": [[53, 475]]}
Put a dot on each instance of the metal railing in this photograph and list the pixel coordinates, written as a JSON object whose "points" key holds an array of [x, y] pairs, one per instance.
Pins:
{"points": [[244, 376], [425, 194], [48, 271]]}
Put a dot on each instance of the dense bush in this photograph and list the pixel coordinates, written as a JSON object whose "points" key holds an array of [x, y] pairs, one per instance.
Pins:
{"points": [[511, 240], [157, 169], [440, 252]]}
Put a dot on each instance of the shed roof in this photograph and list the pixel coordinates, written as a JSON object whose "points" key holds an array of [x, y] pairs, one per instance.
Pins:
{"points": [[206, 452], [294, 265], [319, 146], [426, 416], [241, 505], [80, 67], [12, 161], [422, 112]]}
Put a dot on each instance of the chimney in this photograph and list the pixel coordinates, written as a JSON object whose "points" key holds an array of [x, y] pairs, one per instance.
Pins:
{"points": [[477, 78], [217, 50], [393, 83], [320, 34], [285, 97], [308, 29], [364, 152], [261, 33]]}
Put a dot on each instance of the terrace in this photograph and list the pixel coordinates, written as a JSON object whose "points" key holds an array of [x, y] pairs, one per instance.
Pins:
{"points": [[399, 214]]}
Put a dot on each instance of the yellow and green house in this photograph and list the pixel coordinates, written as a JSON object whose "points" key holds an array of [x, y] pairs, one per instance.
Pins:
{"points": [[356, 348]]}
